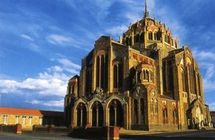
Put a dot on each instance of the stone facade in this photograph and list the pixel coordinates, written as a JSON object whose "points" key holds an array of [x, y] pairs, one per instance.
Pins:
{"points": [[143, 81]]}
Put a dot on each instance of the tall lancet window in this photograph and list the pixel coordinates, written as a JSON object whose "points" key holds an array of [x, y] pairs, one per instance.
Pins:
{"points": [[100, 71], [97, 71], [117, 75]]}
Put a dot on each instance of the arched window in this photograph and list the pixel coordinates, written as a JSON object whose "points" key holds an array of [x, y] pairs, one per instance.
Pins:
{"points": [[176, 46], [88, 81], [150, 36], [130, 41], [199, 83], [142, 38], [73, 89], [115, 71], [97, 71], [167, 39], [192, 79], [100, 71], [183, 81], [147, 75], [136, 111], [159, 35], [155, 36], [137, 38], [144, 71], [142, 109], [118, 75], [140, 75]]}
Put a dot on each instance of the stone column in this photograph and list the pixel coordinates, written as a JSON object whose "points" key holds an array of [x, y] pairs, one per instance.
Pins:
{"points": [[81, 118], [129, 112], [106, 121], [188, 85], [100, 74], [83, 82], [139, 112], [180, 102], [89, 118], [97, 117], [94, 74], [74, 118], [115, 115], [110, 69]]}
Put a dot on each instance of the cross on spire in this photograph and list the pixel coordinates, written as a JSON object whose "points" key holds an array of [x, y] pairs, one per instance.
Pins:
{"points": [[146, 13]]}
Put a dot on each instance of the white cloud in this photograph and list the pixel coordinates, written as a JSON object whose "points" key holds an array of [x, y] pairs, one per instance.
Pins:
{"points": [[117, 30], [34, 47], [52, 82], [25, 36], [68, 64], [204, 55], [41, 85], [52, 103], [57, 39], [63, 40], [207, 64]]}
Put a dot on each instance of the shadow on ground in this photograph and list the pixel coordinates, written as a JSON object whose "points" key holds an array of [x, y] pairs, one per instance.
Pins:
{"points": [[195, 135]]}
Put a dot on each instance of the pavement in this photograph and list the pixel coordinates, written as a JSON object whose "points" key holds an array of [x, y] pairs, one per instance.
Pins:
{"points": [[35, 136], [130, 135], [176, 135]]}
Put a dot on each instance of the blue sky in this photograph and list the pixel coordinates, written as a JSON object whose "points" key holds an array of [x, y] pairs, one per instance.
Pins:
{"points": [[42, 42]]}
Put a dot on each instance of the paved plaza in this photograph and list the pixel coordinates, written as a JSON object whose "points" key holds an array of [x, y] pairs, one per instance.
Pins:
{"points": [[190, 135]]}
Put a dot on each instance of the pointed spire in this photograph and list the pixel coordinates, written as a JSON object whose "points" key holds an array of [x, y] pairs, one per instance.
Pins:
{"points": [[146, 14]]}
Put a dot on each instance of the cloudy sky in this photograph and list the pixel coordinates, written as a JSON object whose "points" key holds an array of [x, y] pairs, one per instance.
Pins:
{"points": [[42, 42]]}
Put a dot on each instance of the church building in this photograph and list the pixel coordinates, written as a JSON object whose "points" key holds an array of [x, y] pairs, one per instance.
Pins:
{"points": [[144, 81]]}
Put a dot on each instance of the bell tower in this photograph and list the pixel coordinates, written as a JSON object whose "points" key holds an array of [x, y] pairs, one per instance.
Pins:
{"points": [[146, 12]]}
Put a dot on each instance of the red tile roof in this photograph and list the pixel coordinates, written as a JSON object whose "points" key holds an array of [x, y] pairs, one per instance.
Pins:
{"points": [[19, 111]]}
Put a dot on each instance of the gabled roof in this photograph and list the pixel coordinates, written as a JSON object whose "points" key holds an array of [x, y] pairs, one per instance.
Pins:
{"points": [[30, 112]]}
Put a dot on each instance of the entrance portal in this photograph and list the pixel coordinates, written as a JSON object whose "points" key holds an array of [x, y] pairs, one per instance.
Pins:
{"points": [[97, 114], [116, 113], [81, 115]]}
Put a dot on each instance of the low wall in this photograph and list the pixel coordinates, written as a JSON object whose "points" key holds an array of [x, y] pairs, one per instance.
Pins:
{"points": [[50, 129], [11, 128]]}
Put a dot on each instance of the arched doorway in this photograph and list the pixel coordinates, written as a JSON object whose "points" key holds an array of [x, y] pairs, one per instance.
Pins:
{"points": [[116, 113], [81, 115], [97, 114]]}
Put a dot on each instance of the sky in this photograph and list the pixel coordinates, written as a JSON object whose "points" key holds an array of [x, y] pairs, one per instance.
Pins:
{"points": [[42, 42]]}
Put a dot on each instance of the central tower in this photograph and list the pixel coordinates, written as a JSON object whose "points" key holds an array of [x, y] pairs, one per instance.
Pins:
{"points": [[146, 12]]}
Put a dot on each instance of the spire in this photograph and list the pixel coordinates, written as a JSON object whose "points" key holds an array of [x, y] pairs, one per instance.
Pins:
{"points": [[146, 14]]}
